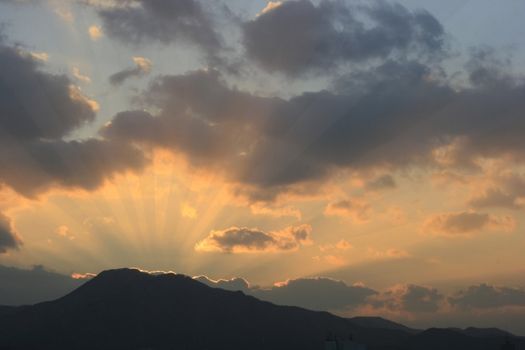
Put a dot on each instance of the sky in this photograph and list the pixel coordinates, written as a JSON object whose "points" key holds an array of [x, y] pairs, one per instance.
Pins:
{"points": [[360, 157]]}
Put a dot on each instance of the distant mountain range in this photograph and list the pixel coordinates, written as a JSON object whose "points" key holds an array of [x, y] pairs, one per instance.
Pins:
{"points": [[130, 309]]}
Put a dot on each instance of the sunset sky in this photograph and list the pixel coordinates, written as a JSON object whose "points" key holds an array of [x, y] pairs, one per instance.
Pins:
{"points": [[361, 157]]}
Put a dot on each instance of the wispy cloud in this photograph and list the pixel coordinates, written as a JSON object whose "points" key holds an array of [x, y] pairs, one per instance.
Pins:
{"points": [[142, 67], [95, 32]]}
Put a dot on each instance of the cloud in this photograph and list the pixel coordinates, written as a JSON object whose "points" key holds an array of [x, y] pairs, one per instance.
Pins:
{"points": [[343, 244], [391, 253], [41, 56], [295, 37], [249, 240], [381, 183], [187, 211], [181, 98], [233, 284], [65, 13], [330, 253], [507, 192], [79, 76], [316, 293], [37, 166], [393, 115], [8, 236], [331, 259], [38, 284], [420, 299], [462, 223], [271, 5], [487, 296], [65, 232], [37, 111], [144, 21], [82, 276], [494, 198], [354, 208], [16, 1], [410, 297], [319, 293], [275, 211], [142, 67], [95, 32], [100, 3], [35, 104]]}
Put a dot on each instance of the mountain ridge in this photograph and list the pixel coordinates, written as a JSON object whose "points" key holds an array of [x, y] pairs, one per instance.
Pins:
{"points": [[131, 309]]}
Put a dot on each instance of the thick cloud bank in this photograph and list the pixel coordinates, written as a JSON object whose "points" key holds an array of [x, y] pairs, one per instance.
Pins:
{"points": [[299, 36], [395, 115], [37, 110], [142, 21], [24, 287], [485, 296], [8, 237], [35, 104], [421, 306]]}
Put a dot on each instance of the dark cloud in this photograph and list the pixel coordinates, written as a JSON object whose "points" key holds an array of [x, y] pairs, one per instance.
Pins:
{"points": [[381, 182], [39, 109], [22, 287], [421, 299], [494, 198], [206, 138], [142, 67], [299, 36], [486, 66], [486, 296], [35, 104], [507, 192], [39, 165], [18, 1], [411, 298], [466, 222], [394, 115], [248, 240], [268, 142], [327, 294], [316, 293], [8, 237], [143, 21], [460, 222], [357, 209]]}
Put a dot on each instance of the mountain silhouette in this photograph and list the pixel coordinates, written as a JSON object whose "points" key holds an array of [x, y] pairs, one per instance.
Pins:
{"points": [[381, 323], [130, 309]]}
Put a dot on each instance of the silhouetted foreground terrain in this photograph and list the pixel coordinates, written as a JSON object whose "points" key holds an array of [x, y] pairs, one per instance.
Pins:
{"points": [[129, 309]]}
